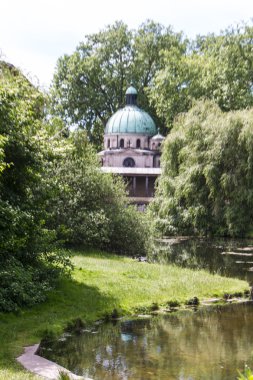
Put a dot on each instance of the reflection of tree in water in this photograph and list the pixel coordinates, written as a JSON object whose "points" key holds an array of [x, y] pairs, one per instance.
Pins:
{"points": [[204, 254], [209, 340], [210, 344]]}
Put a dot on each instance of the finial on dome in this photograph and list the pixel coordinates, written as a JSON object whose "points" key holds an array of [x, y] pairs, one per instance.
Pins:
{"points": [[131, 96]]}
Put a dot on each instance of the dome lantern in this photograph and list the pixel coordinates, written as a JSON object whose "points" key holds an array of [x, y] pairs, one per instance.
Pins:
{"points": [[131, 96]]}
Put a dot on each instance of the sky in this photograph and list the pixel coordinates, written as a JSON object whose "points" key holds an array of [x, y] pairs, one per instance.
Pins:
{"points": [[35, 33]]}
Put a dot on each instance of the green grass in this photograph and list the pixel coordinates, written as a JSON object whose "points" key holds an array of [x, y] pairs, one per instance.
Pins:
{"points": [[101, 283]]}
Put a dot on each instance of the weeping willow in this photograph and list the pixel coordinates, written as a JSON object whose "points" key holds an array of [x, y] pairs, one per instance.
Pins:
{"points": [[207, 183]]}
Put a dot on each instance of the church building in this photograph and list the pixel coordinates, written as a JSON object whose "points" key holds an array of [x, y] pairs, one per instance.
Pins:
{"points": [[132, 149]]}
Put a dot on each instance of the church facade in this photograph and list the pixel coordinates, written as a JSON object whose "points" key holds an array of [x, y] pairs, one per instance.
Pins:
{"points": [[132, 149]]}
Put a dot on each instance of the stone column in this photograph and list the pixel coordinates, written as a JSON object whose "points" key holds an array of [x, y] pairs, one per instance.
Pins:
{"points": [[146, 186], [134, 186]]}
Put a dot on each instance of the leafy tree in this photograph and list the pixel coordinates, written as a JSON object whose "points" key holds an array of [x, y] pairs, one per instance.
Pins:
{"points": [[169, 71], [27, 266], [151, 40], [218, 68], [89, 85], [229, 80], [206, 186], [171, 92], [89, 207]]}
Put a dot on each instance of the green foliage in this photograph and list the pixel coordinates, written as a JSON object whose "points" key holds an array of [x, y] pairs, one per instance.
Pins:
{"points": [[154, 306], [89, 207], [27, 269], [21, 285], [2, 163], [192, 301], [63, 376], [246, 375], [169, 71], [218, 68], [173, 303], [75, 326], [89, 85], [206, 186], [51, 192], [129, 231]]}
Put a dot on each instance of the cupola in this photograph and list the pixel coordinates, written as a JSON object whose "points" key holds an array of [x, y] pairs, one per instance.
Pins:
{"points": [[131, 119]]}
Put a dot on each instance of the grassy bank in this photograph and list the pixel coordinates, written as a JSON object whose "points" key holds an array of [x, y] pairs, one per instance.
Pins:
{"points": [[101, 283]]}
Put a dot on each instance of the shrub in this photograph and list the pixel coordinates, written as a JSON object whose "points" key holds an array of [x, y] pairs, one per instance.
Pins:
{"points": [[27, 268], [89, 207], [246, 375]]}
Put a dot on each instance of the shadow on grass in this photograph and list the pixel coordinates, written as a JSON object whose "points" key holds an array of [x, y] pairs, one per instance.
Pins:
{"points": [[71, 300]]}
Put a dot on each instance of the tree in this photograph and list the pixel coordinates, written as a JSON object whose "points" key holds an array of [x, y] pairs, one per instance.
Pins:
{"points": [[89, 207], [89, 85], [28, 263], [206, 186], [230, 82], [151, 40], [168, 70], [218, 68]]}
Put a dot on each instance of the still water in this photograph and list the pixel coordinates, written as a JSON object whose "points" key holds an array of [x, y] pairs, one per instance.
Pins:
{"points": [[207, 344], [227, 257]]}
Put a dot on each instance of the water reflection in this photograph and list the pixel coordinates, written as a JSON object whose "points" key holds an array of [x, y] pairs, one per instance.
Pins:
{"points": [[229, 257], [208, 344]]}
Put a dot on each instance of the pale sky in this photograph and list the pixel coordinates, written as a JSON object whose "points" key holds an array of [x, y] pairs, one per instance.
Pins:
{"points": [[35, 33]]}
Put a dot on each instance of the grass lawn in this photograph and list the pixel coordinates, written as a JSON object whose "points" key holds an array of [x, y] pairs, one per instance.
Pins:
{"points": [[100, 283]]}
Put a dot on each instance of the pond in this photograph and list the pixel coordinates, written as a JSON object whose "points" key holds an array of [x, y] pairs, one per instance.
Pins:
{"points": [[228, 257], [211, 343]]}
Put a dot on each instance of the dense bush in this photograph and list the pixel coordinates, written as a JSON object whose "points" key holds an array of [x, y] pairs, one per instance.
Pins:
{"points": [[27, 268], [207, 184], [89, 207]]}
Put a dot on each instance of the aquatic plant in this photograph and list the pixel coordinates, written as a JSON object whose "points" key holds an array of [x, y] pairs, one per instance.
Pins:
{"points": [[246, 375], [63, 376]]}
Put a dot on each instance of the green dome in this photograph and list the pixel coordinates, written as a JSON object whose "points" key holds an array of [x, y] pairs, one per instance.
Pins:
{"points": [[131, 90], [131, 119]]}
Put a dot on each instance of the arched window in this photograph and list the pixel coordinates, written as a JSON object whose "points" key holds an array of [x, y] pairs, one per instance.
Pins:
{"points": [[129, 162], [108, 143], [138, 143], [121, 143]]}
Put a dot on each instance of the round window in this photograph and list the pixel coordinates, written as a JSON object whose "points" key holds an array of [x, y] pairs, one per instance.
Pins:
{"points": [[129, 162]]}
